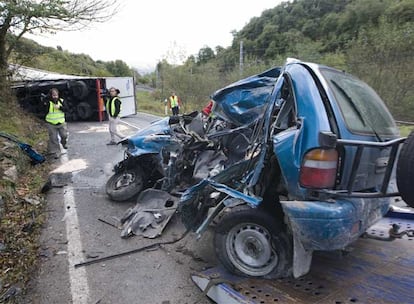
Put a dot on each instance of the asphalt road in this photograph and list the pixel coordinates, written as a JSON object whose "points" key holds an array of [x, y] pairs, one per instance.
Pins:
{"points": [[75, 233]]}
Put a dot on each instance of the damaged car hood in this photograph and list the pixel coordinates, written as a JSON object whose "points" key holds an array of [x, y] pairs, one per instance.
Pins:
{"points": [[244, 101]]}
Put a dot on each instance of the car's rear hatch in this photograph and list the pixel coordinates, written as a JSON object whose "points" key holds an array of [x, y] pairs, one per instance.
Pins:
{"points": [[367, 134]]}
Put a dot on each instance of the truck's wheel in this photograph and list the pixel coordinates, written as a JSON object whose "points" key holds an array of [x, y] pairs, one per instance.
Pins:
{"points": [[252, 243], [79, 89], [125, 185], [84, 110], [405, 171]]}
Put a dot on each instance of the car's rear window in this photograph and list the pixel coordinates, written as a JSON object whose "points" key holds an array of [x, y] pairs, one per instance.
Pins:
{"points": [[362, 108]]}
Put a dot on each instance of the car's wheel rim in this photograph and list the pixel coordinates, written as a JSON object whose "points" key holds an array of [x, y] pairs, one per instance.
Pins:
{"points": [[249, 248]]}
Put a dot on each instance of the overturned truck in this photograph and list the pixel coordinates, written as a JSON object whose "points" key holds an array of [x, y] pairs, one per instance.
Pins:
{"points": [[83, 95]]}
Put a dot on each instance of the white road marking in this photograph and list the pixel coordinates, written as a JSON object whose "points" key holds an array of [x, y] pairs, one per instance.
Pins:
{"points": [[77, 276], [129, 124]]}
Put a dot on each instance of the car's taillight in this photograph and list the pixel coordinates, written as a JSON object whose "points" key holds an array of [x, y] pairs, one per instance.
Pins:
{"points": [[318, 169]]}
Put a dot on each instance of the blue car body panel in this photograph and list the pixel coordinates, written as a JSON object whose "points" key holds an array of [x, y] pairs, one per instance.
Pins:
{"points": [[151, 139], [246, 100], [140, 145], [333, 225]]}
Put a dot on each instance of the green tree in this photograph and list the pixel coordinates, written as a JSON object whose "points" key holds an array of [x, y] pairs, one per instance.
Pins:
{"points": [[382, 56], [205, 54], [401, 11], [118, 68], [20, 17]]}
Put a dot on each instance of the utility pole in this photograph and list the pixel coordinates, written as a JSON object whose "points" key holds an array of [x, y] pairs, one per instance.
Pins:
{"points": [[241, 59]]}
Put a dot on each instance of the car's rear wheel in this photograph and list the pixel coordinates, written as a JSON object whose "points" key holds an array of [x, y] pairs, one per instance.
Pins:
{"points": [[405, 171], [125, 185], [252, 243]]}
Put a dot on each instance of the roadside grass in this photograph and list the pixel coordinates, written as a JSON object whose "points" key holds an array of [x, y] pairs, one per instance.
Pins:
{"points": [[149, 102], [406, 129], [153, 103], [21, 204]]}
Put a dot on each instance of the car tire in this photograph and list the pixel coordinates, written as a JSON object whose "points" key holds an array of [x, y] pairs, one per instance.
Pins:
{"points": [[125, 185], [252, 243], [405, 171]]}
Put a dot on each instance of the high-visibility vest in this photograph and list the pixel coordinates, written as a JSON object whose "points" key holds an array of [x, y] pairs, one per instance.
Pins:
{"points": [[55, 116], [174, 101], [110, 105]]}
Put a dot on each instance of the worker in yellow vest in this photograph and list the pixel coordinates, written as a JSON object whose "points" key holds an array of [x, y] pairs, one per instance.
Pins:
{"points": [[113, 109], [174, 103], [56, 123]]}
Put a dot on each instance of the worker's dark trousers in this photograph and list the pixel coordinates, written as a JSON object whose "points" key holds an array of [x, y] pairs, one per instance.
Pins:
{"points": [[175, 110], [56, 132]]}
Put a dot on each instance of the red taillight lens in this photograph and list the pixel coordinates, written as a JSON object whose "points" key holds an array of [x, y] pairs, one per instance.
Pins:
{"points": [[318, 169]]}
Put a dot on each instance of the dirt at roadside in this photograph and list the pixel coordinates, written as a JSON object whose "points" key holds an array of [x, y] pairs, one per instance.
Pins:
{"points": [[22, 205]]}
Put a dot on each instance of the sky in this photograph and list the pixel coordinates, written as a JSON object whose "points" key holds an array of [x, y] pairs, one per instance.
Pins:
{"points": [[142, 33]]}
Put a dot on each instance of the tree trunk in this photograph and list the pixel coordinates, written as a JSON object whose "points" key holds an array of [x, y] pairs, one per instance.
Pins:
{"points": [[3, 55], [4, 73]]}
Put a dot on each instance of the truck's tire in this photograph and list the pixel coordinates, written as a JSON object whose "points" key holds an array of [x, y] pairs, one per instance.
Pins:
{"points": [[252, 243], [84, 110], [125, 185], [79, 89], [405, 171]]}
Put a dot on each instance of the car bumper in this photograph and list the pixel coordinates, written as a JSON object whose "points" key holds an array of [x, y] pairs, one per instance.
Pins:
{"points": [[333, 225]]}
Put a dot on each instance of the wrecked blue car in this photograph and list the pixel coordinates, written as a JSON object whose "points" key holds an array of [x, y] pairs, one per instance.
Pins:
{"points": [[308, 164]]}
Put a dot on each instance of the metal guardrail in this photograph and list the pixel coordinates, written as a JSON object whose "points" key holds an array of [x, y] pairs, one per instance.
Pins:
{"points": [[404, 122]]}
